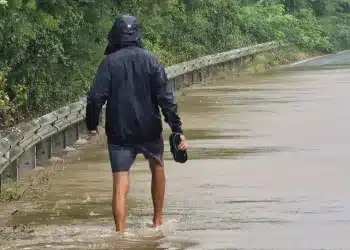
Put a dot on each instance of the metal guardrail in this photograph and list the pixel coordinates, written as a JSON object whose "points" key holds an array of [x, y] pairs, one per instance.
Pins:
{"points": [[37, 134], [26, 135], [189, 66]]}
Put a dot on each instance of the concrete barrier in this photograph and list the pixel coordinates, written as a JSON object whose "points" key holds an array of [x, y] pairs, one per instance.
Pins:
{"points": [[35, 142]]}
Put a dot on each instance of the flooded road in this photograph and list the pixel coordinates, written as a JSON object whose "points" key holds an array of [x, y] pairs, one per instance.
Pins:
{"points": [[268, 169]]}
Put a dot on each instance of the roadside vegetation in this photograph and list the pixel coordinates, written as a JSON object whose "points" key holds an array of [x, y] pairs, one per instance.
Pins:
{"points": [[49, 49]]}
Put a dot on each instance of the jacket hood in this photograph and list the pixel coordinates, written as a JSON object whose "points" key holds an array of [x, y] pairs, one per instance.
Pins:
{"points": [[125, 32]]}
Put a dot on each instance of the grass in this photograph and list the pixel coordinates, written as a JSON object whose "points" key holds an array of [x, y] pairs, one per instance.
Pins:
{"points": [[37, 185]]}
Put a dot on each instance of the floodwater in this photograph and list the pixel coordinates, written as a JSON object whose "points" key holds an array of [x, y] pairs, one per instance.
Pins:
{"points": [[268, 169]]}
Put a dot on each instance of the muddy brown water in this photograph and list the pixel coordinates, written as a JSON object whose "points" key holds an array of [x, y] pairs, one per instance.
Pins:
{"points": [[268, 169]]}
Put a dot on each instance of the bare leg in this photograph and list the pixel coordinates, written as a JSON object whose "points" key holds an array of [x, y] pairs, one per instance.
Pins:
{"points": [[120, 191], [157, 189]]}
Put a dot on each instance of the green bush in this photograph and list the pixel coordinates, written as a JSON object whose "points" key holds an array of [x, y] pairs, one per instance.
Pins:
{"points": [[50, 48]]}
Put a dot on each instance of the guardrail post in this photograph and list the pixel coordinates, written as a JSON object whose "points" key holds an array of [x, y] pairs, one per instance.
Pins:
{"points": [[70, 135], [221, 67], [187, 80], [215, 69], [179, 81], [203, 74], [44, 151], [243, 63], [210, 74], [196, 77], [231, 65], [58, 143], [10, 174], [77, 135], [224, 66], [82, 128], [27, 161], [240, 62]]}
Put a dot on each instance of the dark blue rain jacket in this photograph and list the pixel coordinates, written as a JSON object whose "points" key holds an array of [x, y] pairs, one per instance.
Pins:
{"points": [[133, 85]]}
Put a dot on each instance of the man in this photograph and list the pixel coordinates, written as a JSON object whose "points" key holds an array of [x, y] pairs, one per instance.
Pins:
{"points": [[134, 85]]}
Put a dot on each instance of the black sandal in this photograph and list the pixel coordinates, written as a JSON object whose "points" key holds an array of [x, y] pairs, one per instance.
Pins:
{"points": [[178, 155]]}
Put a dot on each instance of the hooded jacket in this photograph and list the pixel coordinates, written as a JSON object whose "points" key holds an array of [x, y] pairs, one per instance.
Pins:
{"points": [[133, 85]]}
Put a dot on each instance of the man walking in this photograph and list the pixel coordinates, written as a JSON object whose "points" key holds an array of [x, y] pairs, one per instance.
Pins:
{"points": [[134, 85]]}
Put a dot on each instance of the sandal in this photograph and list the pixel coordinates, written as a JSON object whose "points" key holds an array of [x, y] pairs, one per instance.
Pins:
{"points": [[178, 155]]}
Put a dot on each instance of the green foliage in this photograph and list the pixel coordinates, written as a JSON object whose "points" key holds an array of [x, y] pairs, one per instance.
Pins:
{"points": [[320, 24], [50, 48], [302, 30], [11, 192]]}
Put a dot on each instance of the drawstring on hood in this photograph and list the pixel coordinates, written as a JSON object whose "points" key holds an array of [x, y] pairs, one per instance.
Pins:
{"points": [[125, 32]]}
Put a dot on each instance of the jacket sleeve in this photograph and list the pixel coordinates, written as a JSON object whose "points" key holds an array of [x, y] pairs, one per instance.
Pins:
{"points": [[97, 95], [166, 100]]}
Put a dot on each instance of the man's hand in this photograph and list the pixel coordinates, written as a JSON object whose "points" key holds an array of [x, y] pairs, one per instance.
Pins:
{"points": [[184, 144], [93, 133]]}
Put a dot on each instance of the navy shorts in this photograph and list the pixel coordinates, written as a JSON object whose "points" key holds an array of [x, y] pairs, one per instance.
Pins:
{"points": [[122, 157]]}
